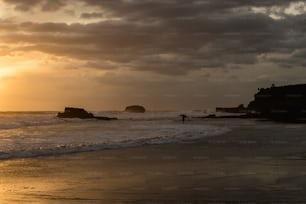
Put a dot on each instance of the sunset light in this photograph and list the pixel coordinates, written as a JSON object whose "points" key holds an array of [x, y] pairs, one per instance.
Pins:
{"points": [[107, 45], [152, 101]]}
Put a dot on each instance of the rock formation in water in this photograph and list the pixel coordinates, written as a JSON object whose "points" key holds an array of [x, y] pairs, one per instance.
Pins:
{"points": [[238, 109], [283, 100], [75, 113], [135, 109], [80, 113]]}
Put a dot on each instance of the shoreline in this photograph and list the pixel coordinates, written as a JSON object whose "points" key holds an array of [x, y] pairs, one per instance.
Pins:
{"points": [[171, 132], [250, 164]]}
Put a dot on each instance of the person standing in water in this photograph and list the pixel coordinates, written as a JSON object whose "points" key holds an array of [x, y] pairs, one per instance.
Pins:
{"points": [[183, 118]]}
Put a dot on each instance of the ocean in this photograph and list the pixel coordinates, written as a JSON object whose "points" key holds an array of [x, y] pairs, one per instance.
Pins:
{"points": [[30, 134]]}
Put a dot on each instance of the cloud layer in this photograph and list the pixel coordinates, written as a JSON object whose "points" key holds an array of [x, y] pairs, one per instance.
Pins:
{"points": [[164, 53], [167, 37]]}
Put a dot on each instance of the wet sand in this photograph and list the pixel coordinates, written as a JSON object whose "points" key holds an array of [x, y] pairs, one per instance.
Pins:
{"points": [[257, 162]]}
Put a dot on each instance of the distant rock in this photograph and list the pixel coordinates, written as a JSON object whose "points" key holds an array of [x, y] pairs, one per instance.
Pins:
{"points": [[135, 109], [80, 113], [75, 113], [104, 118], [238, 109], [211, 116]]}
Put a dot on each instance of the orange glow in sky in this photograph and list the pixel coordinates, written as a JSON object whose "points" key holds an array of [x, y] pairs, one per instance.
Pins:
{"points": [[165, 55]]}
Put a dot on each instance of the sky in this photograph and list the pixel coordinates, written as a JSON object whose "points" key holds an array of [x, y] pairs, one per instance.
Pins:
{"points": [[163, 54]]}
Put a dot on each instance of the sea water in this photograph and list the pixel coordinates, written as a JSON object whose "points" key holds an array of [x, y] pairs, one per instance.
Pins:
{"points": [[28, 134]]}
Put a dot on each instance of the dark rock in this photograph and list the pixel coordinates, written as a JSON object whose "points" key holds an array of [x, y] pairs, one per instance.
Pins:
{"points": [[282, 101], [104, 118], [211, 116], [285, 104], [239, 109], [80, 113], [75, 113], [135, 109]]}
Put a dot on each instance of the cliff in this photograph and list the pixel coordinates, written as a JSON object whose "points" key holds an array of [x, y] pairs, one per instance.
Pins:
{"points": [[289, 100]]}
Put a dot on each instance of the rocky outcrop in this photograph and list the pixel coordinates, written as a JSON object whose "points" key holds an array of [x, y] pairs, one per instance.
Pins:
{"points": [[281, 104], [80, 113], [238, 109], [282, 100], [135, 109], [75, 113], [104, 118]]}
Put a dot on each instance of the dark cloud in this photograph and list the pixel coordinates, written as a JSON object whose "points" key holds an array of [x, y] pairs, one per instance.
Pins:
{"points": [[171, 37], [53, 5], [23, 5], [44, 5], [91, 15], [162, 9], [152, 8]]}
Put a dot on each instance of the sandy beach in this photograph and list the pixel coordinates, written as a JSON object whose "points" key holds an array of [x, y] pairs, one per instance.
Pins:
{"points": [[256, 162]]}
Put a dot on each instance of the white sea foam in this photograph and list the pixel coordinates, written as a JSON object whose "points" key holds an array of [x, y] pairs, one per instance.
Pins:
{"points": [[28, 134]]}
